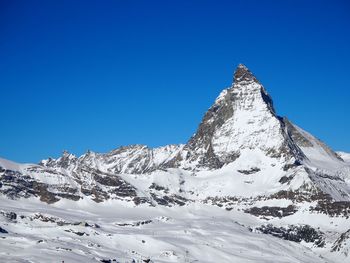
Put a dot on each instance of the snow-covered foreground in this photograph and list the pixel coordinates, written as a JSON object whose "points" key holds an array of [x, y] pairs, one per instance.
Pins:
{"points": [[85, 232]]}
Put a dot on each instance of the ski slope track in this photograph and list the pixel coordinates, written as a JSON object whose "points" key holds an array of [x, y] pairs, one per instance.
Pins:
{"points": [[248, 186]]}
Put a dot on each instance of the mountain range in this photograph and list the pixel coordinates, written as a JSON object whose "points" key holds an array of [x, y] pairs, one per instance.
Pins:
{"points": [[248, 186]]}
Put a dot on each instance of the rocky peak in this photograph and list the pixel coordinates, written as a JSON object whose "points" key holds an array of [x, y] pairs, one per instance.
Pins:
{"points": [[241, 117], [67, 155], [64, 161], [242, 73], [248, 88]]}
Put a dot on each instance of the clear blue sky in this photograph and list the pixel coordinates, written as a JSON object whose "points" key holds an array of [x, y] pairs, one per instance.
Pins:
{"points": [[81, 75]]}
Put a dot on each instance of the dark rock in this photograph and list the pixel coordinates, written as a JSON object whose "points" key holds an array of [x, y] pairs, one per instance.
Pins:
{"points": [[226, 202], [301, 195], [286, 179], [159, 188], [9, 215], [341, 241], [76, 232], [17, 185], [64, 248], [141, 200], [242, 73], [3, 231], [169, 200], [69, 196], [250, 171], [45, 195], [295, 233], [274, 211], [98, 194], [341, 208], [138, 223], [45, 218]]}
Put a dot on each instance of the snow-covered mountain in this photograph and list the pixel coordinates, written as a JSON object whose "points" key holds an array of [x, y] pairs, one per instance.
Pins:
{"points": [[246, 173]]}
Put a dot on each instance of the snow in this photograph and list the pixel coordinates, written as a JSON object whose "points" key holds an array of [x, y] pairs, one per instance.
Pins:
{"points": [[6, 164], [345, 156], [319, 155], [179, 234], [252, 125]]}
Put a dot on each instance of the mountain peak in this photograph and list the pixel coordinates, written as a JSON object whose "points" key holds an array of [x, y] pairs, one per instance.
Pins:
{"points": [[241, 118], [242, 73], [241, 65], [248, 88]]}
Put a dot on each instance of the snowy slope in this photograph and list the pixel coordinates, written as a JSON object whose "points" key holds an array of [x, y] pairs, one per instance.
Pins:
{"points": [[82, 232], [345, 156], [7, 164]]}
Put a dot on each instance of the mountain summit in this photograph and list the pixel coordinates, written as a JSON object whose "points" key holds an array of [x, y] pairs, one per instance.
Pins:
{"points": [[242, 117], [242, 73]]}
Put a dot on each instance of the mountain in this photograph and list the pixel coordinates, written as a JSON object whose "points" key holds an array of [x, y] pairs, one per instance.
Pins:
{"points": [[345, 156], [244, 163]]}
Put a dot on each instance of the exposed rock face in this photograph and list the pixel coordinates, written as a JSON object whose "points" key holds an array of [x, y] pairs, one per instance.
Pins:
{"points": [[3, 231], [342, 243], [295, 233], [333, 208], [94, 183], [12, 216], [272, 211]]}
